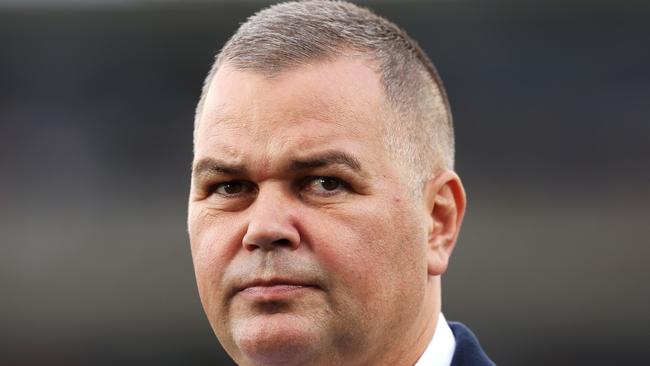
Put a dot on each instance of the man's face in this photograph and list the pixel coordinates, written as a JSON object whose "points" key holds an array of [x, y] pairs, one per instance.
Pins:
{"points": [[307, 244]]}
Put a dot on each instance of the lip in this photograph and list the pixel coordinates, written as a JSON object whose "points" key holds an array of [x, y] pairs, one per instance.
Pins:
{"points": [[273, 290]]}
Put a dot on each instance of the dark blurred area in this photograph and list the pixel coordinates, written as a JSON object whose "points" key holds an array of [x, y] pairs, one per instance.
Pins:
{"points": [[551, 103]]}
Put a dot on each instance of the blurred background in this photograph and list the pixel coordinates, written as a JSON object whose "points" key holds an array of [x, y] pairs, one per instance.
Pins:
{"points": [[551, 102]]}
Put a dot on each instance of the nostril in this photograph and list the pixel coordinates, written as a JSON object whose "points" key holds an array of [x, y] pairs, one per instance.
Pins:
{"points": [[267, 243], [282, 242]]}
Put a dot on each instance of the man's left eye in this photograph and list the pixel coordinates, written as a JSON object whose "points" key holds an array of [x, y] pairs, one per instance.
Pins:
{"points": [[324, 185]]}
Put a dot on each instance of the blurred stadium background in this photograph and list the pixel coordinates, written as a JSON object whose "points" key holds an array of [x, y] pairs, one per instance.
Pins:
{"points": [[551, 103]]}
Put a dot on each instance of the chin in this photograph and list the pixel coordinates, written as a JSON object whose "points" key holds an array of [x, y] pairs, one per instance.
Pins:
{"points": [[277, 339]]}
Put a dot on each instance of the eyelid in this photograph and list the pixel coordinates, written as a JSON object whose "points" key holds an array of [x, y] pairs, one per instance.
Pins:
{"points": [[248, 187], [344, 186]]}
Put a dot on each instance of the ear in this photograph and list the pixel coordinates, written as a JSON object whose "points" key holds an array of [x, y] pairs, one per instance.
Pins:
{"points": [[445, 201]]}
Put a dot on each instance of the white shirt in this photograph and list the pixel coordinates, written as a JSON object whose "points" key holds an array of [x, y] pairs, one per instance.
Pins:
{"points": [[441, 348]]}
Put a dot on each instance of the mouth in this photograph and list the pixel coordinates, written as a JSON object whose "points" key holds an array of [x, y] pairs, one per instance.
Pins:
{"points": [[273, 289]]}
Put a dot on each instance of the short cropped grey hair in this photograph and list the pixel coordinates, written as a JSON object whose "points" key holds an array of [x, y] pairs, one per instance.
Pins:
{"points": [[418, 128]]}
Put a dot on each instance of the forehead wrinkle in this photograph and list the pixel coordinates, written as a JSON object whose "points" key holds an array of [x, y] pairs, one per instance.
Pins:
{"points": [[224, 152], [311, 104], [223, 114], [340, 111], [275, 149]]}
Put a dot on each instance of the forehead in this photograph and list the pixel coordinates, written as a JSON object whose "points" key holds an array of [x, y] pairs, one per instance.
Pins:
{"points": [[342, 97]]}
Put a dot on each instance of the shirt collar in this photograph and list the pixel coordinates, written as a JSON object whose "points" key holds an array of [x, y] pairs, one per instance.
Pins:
{"points": [[441, 348]]}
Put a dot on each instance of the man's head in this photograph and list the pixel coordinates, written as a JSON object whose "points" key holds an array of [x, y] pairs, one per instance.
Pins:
{"points": [[323, 207], [417, 119]]}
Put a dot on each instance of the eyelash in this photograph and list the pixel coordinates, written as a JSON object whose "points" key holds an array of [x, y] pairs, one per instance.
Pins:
{"points": [[303, 184], [246, 187], [339, 182]]}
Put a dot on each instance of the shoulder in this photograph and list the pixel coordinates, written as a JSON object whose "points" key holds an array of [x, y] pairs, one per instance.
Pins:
{"points": [[468, 351]]}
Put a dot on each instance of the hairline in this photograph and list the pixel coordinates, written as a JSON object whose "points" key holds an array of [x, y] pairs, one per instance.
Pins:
{"points": [[362, 53]]}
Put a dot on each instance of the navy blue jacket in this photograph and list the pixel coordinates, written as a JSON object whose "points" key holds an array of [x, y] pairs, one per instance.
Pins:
{"points": [[468, 351]]}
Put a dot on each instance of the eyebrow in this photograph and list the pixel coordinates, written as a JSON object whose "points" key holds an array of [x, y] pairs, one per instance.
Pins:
{"points": [[326, 159], [212, 166], [208, 166]]}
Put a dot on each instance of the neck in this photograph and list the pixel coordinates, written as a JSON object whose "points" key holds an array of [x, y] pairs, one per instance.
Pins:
{"points": [[413, 343]]}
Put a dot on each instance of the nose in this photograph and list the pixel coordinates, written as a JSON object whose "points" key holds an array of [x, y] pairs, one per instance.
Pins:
{"points": [[271, 222]]}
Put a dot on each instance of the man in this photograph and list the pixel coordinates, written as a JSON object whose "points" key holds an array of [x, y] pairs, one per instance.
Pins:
{"points": [[324, 206]]}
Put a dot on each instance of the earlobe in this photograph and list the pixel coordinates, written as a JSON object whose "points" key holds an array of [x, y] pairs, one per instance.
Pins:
{"points": [[445, 202]]}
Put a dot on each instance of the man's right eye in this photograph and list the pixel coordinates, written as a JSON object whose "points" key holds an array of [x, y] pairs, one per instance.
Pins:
{"points": [[232, 188]]}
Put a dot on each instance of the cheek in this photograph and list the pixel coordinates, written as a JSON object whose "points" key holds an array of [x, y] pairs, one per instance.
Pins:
{"points": [[213, 237], [214, 242], [374, 253]]}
